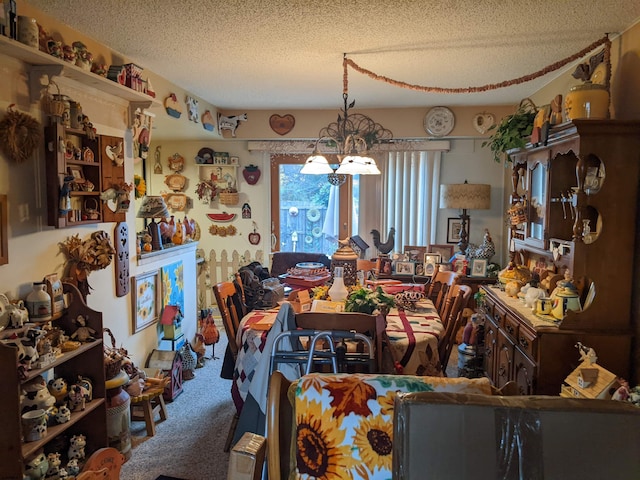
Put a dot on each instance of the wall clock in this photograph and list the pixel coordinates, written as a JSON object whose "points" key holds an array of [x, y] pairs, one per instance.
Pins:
{"points": [[439, 121]]}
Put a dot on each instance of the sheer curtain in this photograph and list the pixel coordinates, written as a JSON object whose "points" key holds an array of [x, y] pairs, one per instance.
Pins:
{"points": [[410, 197]]}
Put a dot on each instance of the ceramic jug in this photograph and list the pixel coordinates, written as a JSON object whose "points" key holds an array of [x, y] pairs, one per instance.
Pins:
{"points": [[564, 301]]}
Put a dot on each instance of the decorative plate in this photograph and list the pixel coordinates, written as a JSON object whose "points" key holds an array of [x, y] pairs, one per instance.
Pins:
{"points": [[439, 121], [483, 121], [599, 74], [308, 265], [175, 182]]}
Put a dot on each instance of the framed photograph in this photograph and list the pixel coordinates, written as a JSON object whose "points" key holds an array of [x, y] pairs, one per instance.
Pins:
{"points": [[414, 254], [478, 267], [460, 265], [445, 251], [76, 172], [405, 268], [454, 225], [385, 266], [419, 268], [445, 267], [430, 262], [146, 300], [4, 239]]}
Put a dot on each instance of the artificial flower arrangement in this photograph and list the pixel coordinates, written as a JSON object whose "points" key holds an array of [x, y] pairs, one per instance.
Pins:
{"points": [[141, 186], [84, 257], [366, 300]]}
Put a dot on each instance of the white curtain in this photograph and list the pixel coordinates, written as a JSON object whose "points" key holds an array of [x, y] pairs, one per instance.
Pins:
{"points": [[410, 197]]}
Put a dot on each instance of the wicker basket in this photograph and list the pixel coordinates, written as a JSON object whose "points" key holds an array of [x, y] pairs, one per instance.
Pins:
{"points": [[113, 357], [227, 198], [51, 105]]}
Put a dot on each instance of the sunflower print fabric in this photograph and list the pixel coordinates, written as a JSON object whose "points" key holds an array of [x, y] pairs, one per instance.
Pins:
{"points": [[344, 422]]}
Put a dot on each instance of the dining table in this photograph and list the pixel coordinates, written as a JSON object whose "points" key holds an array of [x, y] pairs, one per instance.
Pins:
{"points": [[412, 344]]}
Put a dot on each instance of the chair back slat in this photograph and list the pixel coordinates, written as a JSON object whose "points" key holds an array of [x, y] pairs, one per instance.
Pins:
{"points": [[225, 293], [457, 302], [440, 287]]}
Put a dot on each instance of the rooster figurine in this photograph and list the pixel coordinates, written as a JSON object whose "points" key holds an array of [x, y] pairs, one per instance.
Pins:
{"points": [[387, 246]]}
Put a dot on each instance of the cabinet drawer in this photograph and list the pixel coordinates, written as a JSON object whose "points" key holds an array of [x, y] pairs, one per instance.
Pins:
{"points": [[499, 313], [525, 373], [511, 327], [527, 342]]}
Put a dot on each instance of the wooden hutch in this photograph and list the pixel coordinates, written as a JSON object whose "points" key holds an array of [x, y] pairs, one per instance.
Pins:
{"points": [[579, 194]]}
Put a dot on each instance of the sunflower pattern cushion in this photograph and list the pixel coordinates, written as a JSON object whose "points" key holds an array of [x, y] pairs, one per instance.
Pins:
{"points": [[344, 422]]}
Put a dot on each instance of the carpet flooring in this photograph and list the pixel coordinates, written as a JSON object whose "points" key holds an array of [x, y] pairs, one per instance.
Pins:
{"points": [[189, 444]]}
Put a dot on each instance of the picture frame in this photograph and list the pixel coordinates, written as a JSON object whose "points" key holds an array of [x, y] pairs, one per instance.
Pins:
{"points": [[420, 268], [460, 265], [4, 225], [431, 260], [478, 267], [454, 225], [146, 300], [445, 251], [76, 172], [414, 253], [385, 266], [234, 160], [405, 268]]}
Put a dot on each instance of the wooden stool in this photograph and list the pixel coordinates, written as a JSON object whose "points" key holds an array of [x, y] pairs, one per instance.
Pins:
{"points": [[146, 406]]}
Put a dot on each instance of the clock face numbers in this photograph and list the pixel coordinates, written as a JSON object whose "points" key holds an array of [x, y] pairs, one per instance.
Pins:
{"points": [[439, 121]]}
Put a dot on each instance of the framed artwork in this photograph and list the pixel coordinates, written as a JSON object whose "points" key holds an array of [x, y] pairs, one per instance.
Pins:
{"points": [[146, 300], [234, 161], [460, 265], [445, 251], [454, 225], [76, 172], [4, 240], [419, 268], [430, 262], [405, 268], [173, 285], [414, 254], [445, 267], [479, 267]]}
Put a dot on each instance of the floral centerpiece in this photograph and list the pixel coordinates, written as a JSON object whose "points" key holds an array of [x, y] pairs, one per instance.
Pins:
{"points": [[365, 300]]}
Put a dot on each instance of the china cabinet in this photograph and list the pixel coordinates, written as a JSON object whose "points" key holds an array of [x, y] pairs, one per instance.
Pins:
{"points": [[87, 361], [577, 200]]}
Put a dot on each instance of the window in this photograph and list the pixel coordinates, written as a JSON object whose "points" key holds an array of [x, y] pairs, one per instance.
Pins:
{"points": [[306, 212]]}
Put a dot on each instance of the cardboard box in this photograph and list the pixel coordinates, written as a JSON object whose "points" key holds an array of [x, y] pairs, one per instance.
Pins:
{"points": [[444, 435], [247, 458], [300, 300]]}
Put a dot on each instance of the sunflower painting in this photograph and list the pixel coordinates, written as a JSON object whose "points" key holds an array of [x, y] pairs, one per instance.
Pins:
{"points": [[146, 300], [344, 423]]}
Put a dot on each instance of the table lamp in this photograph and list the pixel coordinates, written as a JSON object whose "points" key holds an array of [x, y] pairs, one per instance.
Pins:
{"points": [[465, 196], [152, 207]]}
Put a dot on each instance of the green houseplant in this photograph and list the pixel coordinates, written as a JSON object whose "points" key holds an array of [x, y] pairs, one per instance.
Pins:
{"points": [[512, 131], [365, 300]]}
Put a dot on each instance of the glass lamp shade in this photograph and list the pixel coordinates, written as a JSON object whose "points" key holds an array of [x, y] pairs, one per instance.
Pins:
{"points": [[153, 206], [358, 165], [316, 164]]}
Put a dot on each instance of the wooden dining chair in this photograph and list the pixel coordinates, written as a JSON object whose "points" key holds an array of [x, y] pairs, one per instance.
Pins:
{"points": [[228, 297], [452, 319], [372, 326], [440, 286]]}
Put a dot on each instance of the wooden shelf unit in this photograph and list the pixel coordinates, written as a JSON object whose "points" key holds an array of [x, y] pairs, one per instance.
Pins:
{"points": [[538, 355], [88, 361]]}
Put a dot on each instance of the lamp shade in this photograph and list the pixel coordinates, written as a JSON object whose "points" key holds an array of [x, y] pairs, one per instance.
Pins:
{"points": [[153, 206], [316, 164], [465, 196], [358, 165]]}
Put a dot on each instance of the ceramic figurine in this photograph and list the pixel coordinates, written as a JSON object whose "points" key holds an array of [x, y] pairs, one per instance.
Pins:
{"points": [[54, 466], [77, 397], [17, 313], [36, 395], [36, 468], [76, 448], [58, 388], [72, 467], [63, 415], [69, 54]]}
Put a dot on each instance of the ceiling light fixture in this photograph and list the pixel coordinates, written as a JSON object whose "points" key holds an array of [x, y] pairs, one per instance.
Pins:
{"points": [[350, 137]]}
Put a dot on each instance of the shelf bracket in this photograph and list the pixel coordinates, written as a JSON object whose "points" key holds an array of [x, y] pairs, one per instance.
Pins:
{"points": [[136, 107], [36, 72]]}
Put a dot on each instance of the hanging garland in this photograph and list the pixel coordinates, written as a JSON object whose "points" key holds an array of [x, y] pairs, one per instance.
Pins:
{"points": [[492, 86], [20, 134]]}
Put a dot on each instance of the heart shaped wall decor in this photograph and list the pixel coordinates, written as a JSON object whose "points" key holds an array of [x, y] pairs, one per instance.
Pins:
{"points": [[282, 124], [482, 122]]}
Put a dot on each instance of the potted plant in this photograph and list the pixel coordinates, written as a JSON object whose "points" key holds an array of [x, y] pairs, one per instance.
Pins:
{"points": [[512, 132], [365, 300]]}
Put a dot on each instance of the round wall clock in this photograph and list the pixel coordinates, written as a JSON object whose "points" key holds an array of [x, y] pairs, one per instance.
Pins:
{"points": [[439, 121]]}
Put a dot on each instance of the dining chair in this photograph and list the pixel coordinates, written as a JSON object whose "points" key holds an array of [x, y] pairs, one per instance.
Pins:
{"points": [[372, 326], [440, 286], [228, 298], [452, 319]]}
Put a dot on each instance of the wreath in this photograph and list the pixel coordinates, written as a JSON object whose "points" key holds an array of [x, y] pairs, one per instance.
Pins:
{"points": [[20, 134], [313, 214], [316, 232]]}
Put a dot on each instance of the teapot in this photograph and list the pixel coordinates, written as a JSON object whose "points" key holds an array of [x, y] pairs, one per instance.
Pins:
{"points": [[564, 301]]}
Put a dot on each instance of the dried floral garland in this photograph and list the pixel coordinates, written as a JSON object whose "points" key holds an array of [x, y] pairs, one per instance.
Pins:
{"points": [[20, 134]]}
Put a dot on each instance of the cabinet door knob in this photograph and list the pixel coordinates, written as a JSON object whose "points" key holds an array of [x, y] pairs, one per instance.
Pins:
{"points": [[524, 343]]}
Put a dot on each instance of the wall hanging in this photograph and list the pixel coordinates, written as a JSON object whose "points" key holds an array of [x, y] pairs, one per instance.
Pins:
{"points": [[192, 112], [20, 134], [282, 124], [172, 106], [176, 162], [246, 211], [230, 123], [251, 174], [222, 217], [157, 163], [208, 122], [254, 237], [227, 231]]}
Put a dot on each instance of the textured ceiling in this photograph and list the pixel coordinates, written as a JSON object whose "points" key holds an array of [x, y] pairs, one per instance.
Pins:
{"points": [[277, 54]]}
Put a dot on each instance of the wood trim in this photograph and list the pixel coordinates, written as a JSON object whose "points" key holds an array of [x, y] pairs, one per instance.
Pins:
{"points": [[4, 233]]}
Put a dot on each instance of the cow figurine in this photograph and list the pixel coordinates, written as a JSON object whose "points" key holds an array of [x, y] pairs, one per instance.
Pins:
{"points": [[192, 111], [77, 397], [76, 448], [54, 466], [230, 123], [18, 314]]}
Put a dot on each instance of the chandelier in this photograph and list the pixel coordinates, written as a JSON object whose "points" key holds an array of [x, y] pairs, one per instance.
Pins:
{"points": [[350, 138]]}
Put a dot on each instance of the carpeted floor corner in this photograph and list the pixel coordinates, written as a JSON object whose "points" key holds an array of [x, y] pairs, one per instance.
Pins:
{"points": [[189, 444]]}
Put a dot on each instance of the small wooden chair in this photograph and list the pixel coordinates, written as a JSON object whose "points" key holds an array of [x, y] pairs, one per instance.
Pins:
{"points": [[147, 405]]}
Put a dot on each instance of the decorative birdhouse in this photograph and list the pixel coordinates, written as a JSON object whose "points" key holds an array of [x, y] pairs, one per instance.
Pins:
{"points": [[172, 321]]}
